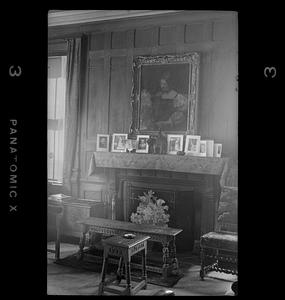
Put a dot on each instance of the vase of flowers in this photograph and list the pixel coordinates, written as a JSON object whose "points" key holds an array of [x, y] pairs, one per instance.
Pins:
{"points": [[151, 210]]}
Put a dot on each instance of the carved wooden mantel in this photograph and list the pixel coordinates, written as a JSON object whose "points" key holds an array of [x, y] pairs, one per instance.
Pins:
{"points": [[172, 163]]}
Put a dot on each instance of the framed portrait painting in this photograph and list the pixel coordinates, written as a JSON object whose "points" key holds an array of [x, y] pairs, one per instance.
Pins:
{"points": [[165, 94], [174, 143], [119, 142], [142, 144], [103, 142], [192, 145]]}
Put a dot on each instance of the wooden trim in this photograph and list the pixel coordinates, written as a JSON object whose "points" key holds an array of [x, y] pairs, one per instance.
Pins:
{"points": [[177, 17], [64, 17]]}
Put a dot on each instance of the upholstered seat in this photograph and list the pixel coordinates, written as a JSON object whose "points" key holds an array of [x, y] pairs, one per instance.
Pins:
{"points": [[221, 240]]}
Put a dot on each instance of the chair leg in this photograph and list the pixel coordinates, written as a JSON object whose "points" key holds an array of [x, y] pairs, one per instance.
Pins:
{"points": [[202, 271], [103, 275], [120, 270], [128, 277], [144, 274]]}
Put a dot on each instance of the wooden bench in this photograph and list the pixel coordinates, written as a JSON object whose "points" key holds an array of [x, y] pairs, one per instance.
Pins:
{"points": [[164, 235]]}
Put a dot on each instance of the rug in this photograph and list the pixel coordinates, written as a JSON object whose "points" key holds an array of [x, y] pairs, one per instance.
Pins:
{"points": [[93, 262]]}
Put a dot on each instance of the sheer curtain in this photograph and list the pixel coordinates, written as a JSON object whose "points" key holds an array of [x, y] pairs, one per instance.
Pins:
{"points": [[75, 83]]}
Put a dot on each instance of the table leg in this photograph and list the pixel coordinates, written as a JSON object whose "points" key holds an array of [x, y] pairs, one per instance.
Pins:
{"points": [[144, 274], [165, 259], [174, 260], [57, 243], [80, 253], [119, 271], [128, 277], [202, 271], [103, 274]]}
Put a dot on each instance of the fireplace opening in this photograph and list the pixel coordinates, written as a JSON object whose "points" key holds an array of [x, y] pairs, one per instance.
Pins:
{"points": [[181, 208]]}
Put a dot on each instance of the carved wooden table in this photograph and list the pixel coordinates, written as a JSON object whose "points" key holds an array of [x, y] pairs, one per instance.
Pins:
{"points": [[124, 248], [164, 235]]}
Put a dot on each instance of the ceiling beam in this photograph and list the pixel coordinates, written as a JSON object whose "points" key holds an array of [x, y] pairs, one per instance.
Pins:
{"points": [[66, 17]]}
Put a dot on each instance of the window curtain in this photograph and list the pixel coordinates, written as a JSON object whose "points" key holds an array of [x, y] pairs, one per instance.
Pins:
{"points": [[75, 83]]}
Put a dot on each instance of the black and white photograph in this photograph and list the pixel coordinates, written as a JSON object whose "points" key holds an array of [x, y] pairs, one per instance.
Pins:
{"points": [[102, 142], [174, 143], [192, 144], [119, 141], [142, 143], [203, 148], [218, 150], [139, 203]]}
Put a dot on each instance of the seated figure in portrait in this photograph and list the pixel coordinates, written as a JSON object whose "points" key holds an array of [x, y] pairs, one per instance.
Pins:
{"points": [[169, 107]]}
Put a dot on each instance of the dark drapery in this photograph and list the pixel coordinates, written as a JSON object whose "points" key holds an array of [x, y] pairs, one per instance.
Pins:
{"points": [[75, 82]]}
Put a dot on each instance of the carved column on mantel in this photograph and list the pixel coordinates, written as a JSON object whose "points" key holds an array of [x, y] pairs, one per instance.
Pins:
{"points": [[210, 195], [110, 194]]}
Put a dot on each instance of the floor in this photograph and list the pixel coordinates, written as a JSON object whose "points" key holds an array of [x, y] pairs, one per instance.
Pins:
{"points": [[62, 280]]}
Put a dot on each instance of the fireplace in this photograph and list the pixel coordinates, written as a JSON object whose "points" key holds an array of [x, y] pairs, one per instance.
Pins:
{"points": [[189, 185], [178, 197]]}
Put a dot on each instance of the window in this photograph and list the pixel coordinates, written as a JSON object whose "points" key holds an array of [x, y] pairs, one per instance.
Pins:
{"points": [[56, 115]]}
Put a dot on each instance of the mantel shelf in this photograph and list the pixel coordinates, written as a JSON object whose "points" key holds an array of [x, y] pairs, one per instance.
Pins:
{"points": [[173, 163]]}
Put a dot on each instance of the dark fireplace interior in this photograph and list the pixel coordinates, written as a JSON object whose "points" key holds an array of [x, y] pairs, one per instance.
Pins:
{"points": [[179, 197]]}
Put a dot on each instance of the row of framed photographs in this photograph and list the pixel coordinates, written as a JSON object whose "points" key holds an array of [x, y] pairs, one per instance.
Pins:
{"points": [[193, 144], [121, 143]]}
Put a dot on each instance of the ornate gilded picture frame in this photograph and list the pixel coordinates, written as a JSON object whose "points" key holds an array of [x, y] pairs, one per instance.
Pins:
{"points": [[165, 94]]}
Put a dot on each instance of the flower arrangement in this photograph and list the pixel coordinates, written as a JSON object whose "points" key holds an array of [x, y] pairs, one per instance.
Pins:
{"points": [[151, 211]]}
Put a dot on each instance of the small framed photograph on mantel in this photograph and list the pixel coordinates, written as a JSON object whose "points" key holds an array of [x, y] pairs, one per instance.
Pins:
{"points": [[103, 142], [217, 150], [210, 148], [192, 145], [119, 142], [142, 144], [203, 148], [174, 143]]}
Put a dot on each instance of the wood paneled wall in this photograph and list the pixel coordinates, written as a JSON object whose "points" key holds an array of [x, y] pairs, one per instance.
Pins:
{"points": [[112, 47]]}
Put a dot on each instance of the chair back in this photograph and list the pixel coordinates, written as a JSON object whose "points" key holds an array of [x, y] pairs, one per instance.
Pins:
{"points": [[226, 220]]}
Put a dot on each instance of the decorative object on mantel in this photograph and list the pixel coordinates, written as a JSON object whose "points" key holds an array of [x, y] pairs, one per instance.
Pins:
{"points": [[217, 150], [131, 146], [210, 148], [174, 143], [158, 144], [103, 142], [151, 211], [192, 145], [119, 142], [203, 147]]}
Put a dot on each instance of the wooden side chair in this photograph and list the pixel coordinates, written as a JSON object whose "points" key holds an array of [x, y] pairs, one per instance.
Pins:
{"points": [[219, 248]]}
